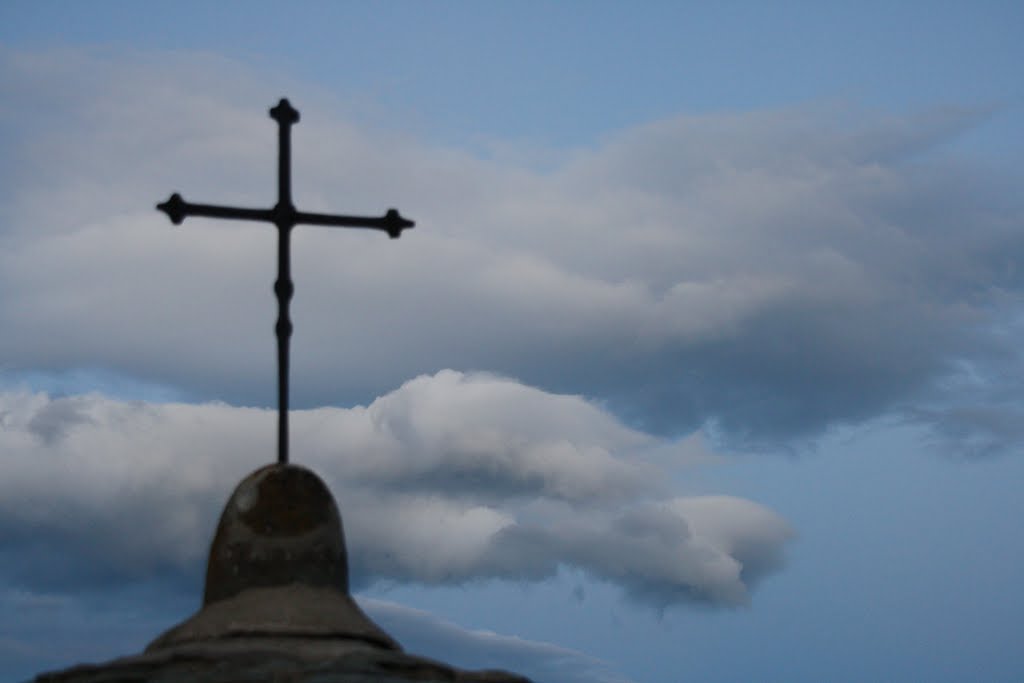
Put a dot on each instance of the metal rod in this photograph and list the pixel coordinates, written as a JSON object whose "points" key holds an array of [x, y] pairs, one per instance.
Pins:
{"points": [[284, 289]]}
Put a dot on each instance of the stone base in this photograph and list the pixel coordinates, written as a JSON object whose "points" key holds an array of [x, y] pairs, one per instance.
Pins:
{"points": [[274, 660], [290, 612]]}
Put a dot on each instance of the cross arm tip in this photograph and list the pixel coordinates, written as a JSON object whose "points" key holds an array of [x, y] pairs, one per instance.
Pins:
{"points": [[395, 223], [174, 207]]}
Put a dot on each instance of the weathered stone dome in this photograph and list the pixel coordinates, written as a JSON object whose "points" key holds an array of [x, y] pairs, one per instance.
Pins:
{"points": [[280, 526], [278, 567]]}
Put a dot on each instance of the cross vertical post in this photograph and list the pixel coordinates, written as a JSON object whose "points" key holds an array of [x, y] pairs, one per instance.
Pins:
{"points": [[284, 212], [284, 216]]}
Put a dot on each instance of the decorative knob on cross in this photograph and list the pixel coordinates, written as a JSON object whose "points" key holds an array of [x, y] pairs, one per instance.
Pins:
{"points": [[285, 217]]}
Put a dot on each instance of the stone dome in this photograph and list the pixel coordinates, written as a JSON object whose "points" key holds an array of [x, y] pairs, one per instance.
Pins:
{"points": [[278, 567], [280, 526]]}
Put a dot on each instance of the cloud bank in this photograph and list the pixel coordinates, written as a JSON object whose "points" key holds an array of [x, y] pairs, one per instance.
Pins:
{"points": [[768, 273], [449, 479]]}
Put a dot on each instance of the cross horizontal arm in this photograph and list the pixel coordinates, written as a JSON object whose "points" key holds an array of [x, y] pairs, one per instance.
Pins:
{"points": [[392, 222], [177, 209]]}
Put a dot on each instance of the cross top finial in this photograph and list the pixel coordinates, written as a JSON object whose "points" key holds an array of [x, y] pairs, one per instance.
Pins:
{"points": [[285, 217], [284, 113]]}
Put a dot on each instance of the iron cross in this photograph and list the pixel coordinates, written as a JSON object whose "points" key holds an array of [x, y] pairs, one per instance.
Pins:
{"points": [[285, 217]]}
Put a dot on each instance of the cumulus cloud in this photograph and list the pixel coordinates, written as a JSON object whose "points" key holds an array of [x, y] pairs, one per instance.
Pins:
{"points": [[770, 273], [448, 479]]}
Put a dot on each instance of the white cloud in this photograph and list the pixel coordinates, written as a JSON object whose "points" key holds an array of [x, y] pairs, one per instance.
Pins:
{"points": [[448, 479]]}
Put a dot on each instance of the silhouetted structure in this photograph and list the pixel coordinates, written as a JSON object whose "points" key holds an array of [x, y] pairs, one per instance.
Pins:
{"points": [[285, 216], [276, 605]]}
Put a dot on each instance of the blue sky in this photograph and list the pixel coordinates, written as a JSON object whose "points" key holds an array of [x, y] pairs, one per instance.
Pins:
{"points": [[701, 363]]}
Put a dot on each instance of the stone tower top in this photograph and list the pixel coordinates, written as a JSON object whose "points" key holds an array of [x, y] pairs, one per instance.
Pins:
{"points": [[280, 526], [278, 567]]}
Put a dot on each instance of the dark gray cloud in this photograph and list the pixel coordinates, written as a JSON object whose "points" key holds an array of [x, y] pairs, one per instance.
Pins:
{"points": [[53, 421], [770, 273], [978, 410], [518, 483]]}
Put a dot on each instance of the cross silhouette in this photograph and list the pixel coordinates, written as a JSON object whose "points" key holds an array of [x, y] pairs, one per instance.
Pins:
{"points": [[285, 217]]}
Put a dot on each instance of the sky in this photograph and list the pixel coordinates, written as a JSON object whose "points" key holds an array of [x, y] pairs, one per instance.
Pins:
{"points": [[701, 362]]}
